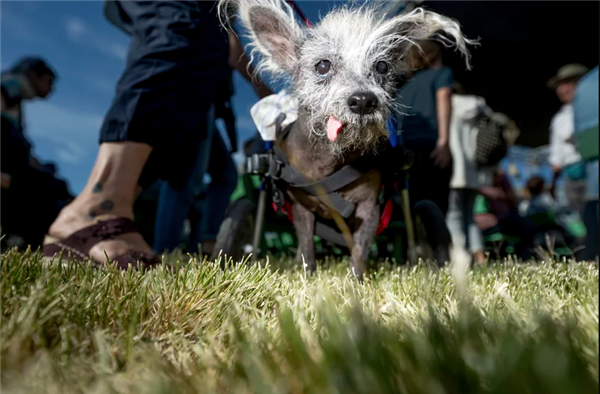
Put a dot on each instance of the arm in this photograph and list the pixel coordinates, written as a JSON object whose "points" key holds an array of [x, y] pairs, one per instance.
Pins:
{"points": [[444, 110], [239, 61], [492, 192], [554, 156], [441, 154], [510, 195], [6, 180]]}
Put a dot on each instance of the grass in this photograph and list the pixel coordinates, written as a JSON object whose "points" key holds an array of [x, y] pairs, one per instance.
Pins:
{"points": [[508, 328]]}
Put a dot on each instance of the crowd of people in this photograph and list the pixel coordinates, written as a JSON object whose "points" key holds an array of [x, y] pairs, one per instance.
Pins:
{"points": [[178, 77], [441, 123], [27, 183]]}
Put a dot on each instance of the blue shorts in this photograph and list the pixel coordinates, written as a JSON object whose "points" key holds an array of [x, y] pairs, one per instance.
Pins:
{"points": [[177, 59]]}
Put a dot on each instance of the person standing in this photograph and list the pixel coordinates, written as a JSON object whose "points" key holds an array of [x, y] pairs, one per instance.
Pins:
{"points": [[563, 157], [155, 128], [31, 194], [206, 206], [467, 178], [425, 125], [585, 110]]}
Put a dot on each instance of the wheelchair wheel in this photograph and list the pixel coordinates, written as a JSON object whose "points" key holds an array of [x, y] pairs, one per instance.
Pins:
{"points": [[433, 238], [235, 233]]}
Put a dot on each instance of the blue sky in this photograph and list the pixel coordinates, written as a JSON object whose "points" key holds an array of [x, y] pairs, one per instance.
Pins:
{"points": [[89, 56]]}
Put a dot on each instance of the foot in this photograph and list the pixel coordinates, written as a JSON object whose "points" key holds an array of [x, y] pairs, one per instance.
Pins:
{"points": [[109, 194], [479, 258], [80, 214], [208, 247]]}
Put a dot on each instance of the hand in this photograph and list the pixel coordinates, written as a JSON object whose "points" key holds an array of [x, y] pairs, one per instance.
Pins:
{"points": [[441, 155], [6, 180], [493, 193], [570, 140]]}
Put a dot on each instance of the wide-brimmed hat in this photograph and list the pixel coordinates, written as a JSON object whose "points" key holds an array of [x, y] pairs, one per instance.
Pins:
{"points": [[566, 72]]}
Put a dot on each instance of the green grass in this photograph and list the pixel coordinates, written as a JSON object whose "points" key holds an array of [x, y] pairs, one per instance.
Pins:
{"points": [[507, 328]]}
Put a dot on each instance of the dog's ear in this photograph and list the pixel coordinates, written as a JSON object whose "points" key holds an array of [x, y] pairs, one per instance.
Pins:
{"points": [[420, 25], [274, 31]]}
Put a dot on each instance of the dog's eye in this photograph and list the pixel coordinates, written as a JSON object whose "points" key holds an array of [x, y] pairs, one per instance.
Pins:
{"points": [[323, 67], [381, 67]]}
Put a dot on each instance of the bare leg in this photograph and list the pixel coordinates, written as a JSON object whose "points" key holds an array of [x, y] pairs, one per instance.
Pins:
{"points": [[208, 247], [479, 257], [304, 221], [367, 213], [110, 193]]}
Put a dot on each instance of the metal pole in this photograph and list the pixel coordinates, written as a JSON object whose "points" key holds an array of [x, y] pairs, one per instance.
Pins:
{"points": [[410, 228], [260, 219]]}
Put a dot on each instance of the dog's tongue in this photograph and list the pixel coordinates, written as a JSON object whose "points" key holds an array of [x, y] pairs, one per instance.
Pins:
{"points": [[333, 128]]}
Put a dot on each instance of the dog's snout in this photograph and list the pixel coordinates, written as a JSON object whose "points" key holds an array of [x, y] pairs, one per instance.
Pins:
{"points": [[362, 103]]}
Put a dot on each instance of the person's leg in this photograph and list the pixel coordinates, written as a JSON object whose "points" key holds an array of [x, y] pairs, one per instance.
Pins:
{"points": [[440, 185], [455, 219], [39, 203], [212, 208], [522, 228], [473, 233], [427, 181], [174, 204], [590, 219], [109, 193], [418, 175], [575, 195], [153, 128]]}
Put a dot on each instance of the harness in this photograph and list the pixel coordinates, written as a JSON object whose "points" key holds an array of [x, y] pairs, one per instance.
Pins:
{"points": [[282, 174]]}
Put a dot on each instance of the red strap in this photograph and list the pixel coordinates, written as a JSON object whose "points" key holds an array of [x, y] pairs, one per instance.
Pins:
{"points": [[386, 217], [286, 209]]}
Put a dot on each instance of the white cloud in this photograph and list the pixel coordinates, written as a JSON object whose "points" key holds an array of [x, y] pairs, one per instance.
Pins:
{"points": [[71, 152], [19, 28], [78, 32], [115, 50], [67, 156], [73, 135], [76, 28], [100, 84]]}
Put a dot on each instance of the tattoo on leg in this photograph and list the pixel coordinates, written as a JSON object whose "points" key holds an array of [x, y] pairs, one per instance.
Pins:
{"points": [[97, 188], [106, 205]]}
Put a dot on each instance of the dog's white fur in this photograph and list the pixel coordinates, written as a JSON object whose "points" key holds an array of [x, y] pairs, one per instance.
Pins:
{"points": [[354, 40]]}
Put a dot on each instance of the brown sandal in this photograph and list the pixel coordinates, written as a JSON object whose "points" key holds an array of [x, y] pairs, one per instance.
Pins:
{"points": [[78, 245]]}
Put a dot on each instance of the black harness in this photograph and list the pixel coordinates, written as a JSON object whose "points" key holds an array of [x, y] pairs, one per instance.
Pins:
{"points": [[283, 174]]}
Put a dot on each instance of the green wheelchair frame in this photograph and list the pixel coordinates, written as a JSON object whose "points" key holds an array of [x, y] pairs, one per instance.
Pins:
{"points": [[279, 237]]}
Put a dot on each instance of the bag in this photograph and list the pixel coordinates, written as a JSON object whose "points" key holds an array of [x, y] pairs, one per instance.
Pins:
{"points": [[490, 145]]}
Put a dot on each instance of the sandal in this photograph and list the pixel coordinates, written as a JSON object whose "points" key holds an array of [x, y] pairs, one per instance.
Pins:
{"points": [[79, 243]]}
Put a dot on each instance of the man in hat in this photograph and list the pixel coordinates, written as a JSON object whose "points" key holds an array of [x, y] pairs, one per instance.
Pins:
{"points": [[585, 112], [564, 157]]}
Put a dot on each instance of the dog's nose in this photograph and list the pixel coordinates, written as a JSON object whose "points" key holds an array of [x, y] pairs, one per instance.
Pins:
{"points": [[362, 103]]}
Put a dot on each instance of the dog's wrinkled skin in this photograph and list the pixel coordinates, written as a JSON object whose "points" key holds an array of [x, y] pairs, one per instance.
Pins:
{"points": [[351, 50]]}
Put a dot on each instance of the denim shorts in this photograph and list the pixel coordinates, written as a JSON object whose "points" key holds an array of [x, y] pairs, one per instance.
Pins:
{"points": [[177, 59]]}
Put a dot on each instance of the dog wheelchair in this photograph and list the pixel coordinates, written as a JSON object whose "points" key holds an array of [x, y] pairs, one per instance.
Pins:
{"points": [[258, 221]]}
